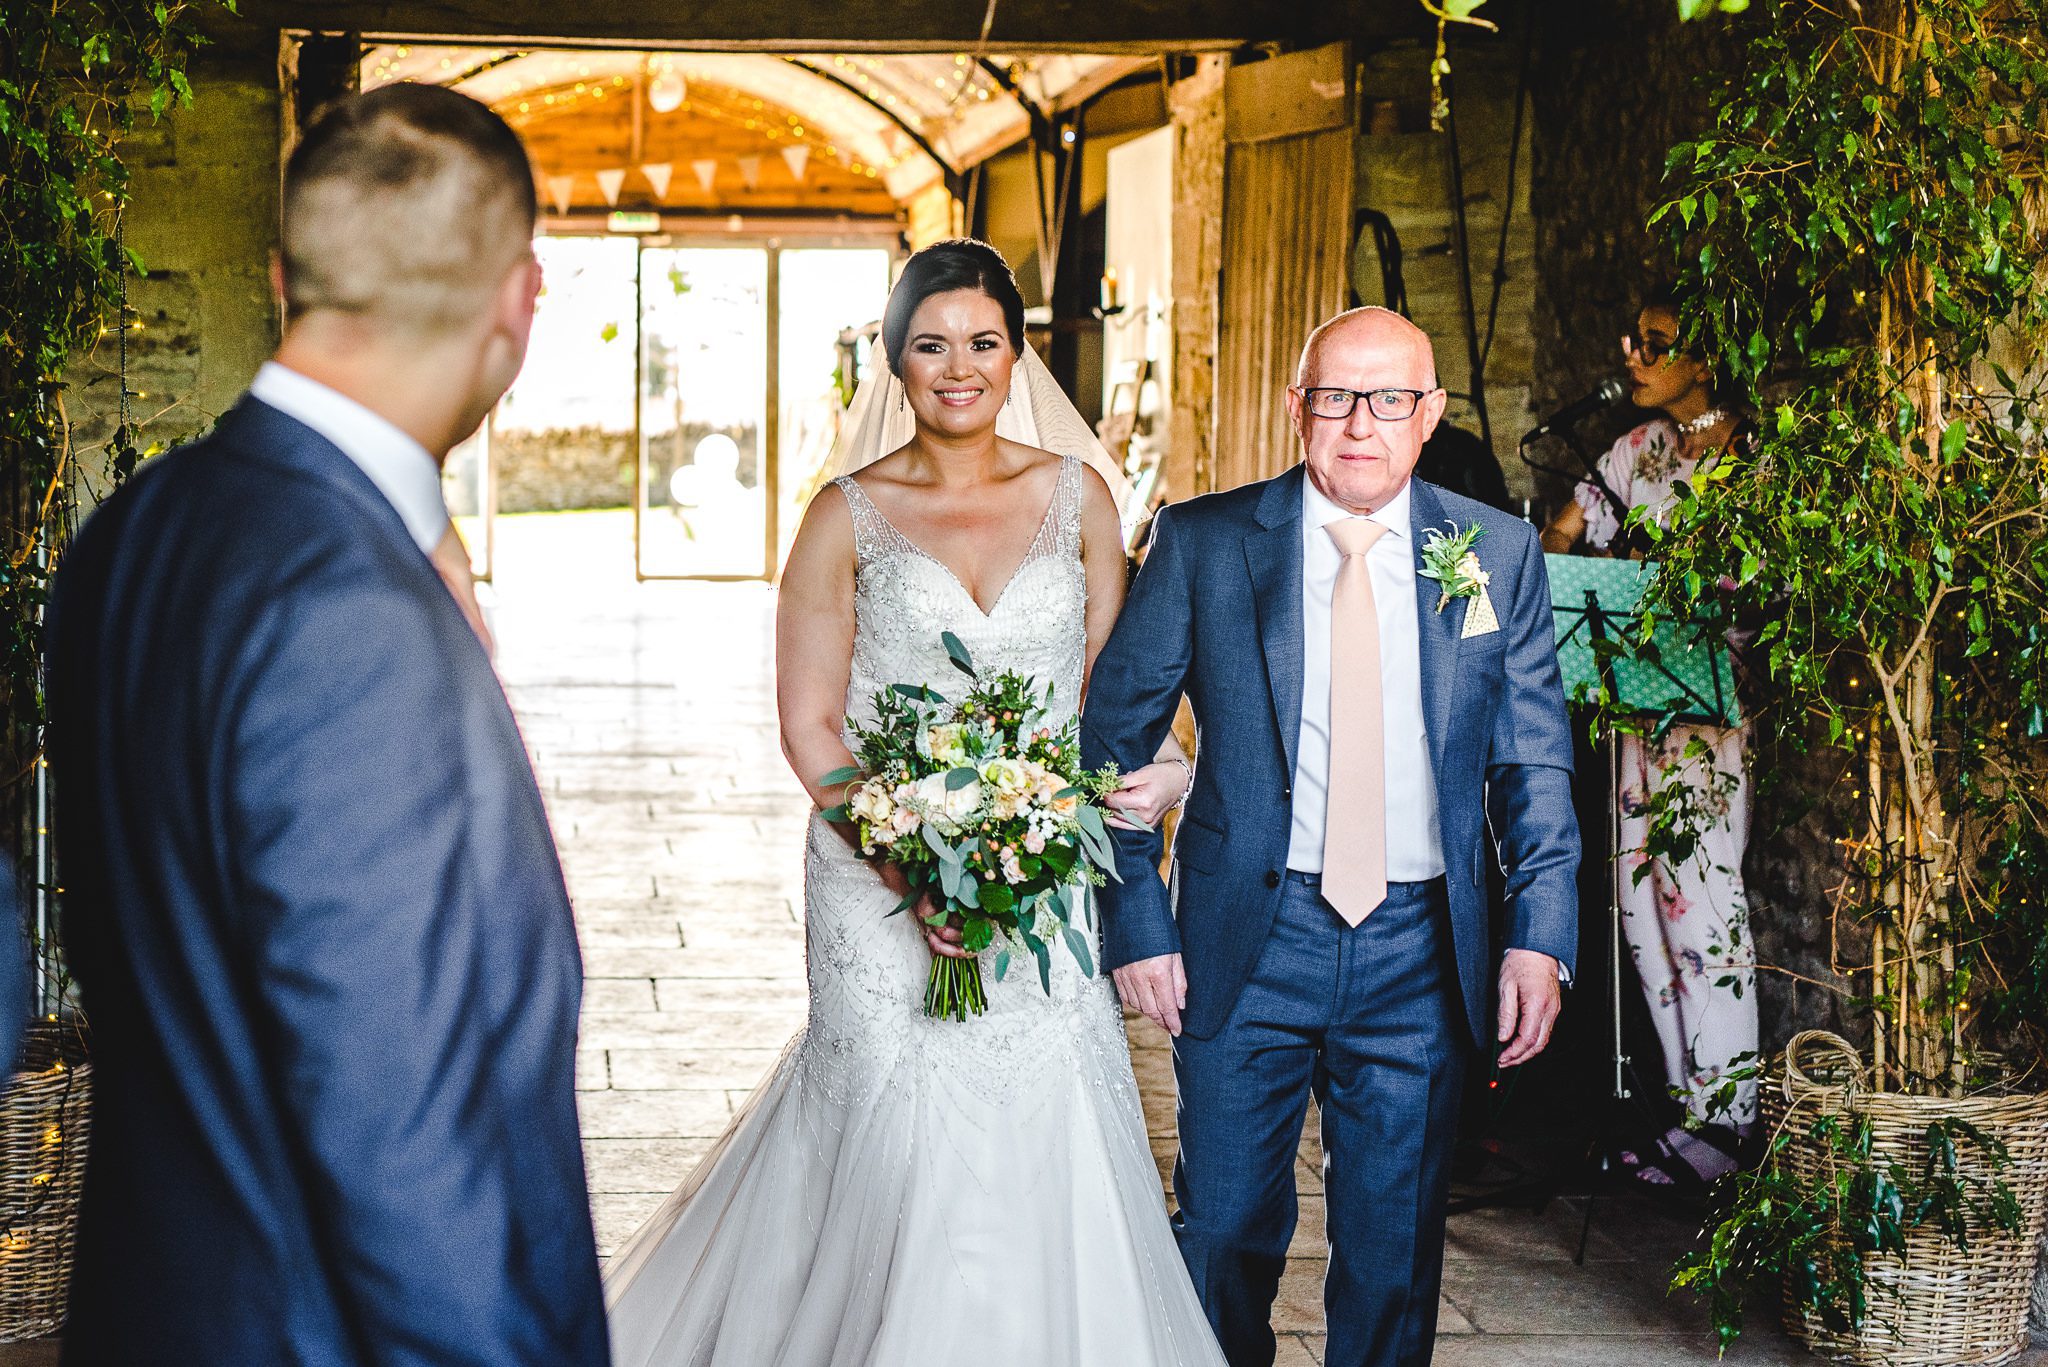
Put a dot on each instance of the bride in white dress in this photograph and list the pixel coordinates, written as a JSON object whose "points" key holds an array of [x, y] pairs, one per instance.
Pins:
{"points": [[900, 1191]]}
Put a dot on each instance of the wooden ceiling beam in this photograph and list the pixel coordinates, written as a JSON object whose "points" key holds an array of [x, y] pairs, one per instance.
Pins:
{"points": [[1125, 26]]}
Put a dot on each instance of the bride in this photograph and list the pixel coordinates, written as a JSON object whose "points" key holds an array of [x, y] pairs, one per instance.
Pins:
{"points": [[901, 1191]]}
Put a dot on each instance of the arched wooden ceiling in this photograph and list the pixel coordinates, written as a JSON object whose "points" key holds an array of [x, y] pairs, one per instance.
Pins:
{"points": [[580, 133], [910, 118]]}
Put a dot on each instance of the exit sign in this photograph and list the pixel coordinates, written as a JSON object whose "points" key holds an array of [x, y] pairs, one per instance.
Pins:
{"points": [[622, 222]]}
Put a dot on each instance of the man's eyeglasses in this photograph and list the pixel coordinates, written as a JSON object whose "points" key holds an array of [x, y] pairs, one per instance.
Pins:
{"points": [[1388, 405], [1648, 350]]}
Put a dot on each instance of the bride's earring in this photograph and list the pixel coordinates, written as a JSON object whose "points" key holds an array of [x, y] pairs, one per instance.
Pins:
{"points": [[1008, 395], [902, 398]]}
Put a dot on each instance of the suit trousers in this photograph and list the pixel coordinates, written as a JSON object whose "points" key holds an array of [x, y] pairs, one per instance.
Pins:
{"points": [[1369, 1019]]}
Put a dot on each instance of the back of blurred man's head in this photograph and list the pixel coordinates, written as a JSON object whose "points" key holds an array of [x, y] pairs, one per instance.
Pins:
{"points": [[405, 207]]}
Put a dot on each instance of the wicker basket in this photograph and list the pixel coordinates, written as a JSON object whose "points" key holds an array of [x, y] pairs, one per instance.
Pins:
{"points": [[45, 1118], [1940, 1306]]}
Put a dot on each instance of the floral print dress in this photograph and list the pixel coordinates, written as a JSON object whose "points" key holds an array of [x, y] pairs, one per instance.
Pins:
{"points": [[1687, 920]]}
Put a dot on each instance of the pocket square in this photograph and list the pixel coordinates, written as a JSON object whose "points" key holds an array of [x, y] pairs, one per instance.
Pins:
{"points": [[1479, 618]]}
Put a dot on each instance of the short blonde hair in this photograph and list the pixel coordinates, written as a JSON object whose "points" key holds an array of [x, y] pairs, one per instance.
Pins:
{"points": [[407, 204]]}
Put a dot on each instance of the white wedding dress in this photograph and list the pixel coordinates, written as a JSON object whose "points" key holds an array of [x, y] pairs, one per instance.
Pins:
{"points": [[904, 1192]]}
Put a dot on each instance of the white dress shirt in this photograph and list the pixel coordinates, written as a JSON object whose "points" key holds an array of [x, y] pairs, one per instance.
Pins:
{"points": [[1415, 850], [399, 466]]}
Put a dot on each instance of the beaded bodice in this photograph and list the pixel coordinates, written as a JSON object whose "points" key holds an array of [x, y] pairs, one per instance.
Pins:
{"points": [[904, 599]]}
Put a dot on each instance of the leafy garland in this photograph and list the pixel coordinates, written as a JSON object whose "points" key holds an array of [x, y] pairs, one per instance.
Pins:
{"points": [[74, 76], [1862, 244]]}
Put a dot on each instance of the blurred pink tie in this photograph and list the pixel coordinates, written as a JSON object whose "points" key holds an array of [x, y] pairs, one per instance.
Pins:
{"points": [[1355, 830]]}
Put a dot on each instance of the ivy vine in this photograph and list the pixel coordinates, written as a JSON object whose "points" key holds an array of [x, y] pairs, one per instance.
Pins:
{"points": [[75, 75]]}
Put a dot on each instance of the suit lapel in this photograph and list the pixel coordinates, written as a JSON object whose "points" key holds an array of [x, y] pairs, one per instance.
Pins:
{"points": [[1438, 637], [1273, 556]]}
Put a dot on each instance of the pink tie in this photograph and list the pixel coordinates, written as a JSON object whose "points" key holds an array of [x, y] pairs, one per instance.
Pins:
{"points": [[1355, 829]]}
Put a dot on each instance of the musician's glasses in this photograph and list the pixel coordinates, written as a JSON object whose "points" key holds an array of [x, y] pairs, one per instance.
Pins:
{"points": [[1648, 350]]}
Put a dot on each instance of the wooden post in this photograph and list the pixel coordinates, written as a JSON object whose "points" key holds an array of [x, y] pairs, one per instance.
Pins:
{"points": [[1196, 106]]}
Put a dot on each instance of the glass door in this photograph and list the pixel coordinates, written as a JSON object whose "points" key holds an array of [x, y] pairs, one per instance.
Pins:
{"points": [[556, 481], [705, 474], [825, 293]]}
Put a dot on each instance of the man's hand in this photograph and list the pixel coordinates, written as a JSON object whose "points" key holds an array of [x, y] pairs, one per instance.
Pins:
{"points": [[1156, 988], [1530, 998]]}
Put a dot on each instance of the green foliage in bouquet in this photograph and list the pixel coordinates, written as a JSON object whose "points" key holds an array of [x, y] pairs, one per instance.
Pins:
{"points": [[987, 812], [1862, 249]]}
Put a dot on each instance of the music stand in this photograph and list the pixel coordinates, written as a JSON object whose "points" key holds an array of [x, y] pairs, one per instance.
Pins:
{"points": [[1682, 674]]}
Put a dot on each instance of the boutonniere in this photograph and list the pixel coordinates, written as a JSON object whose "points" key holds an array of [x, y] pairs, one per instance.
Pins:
{"points": [[1454, 565]]}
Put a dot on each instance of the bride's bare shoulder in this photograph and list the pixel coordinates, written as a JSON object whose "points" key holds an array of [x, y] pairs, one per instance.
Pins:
{"points": [[1031, 463]]}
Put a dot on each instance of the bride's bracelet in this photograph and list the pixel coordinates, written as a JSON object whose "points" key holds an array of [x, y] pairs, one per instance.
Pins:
{"points": [[1182, 800]]}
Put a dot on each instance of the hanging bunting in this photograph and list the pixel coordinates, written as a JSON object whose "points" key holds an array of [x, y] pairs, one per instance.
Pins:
{"points": [[705, 170], [750, 171], [797, 158], [608, 184], [558, 191], [657, 174]]}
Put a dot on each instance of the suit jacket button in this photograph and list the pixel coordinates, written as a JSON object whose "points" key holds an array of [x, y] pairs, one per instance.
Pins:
{"points": [[1272, 878]]}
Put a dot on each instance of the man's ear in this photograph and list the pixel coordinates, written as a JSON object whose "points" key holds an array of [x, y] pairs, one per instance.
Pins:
{"points": [[1294, 411], [518, 293], [1433, 404], [277, 277]]}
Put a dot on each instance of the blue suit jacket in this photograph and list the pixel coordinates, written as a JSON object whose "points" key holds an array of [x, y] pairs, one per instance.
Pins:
{"points": [[1215, 614], [321, 934]]}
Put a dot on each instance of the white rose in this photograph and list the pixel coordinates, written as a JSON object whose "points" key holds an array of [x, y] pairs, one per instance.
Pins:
{"points": [[1013, 871], [904, 820], [954, 804], [1005, 776], [1034, 841]]}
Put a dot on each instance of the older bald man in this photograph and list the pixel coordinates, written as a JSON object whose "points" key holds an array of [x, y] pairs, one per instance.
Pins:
{"points": [[1370, 738]]}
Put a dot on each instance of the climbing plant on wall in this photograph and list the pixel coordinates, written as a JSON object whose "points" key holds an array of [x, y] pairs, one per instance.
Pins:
{"points": [[75, 77], [1862, 250]]}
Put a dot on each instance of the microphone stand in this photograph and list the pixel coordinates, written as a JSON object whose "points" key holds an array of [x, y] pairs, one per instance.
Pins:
{"points": [[1589, 467]]}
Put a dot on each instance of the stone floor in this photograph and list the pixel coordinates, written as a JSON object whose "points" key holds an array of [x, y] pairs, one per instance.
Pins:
{"points": [[649, 712]]}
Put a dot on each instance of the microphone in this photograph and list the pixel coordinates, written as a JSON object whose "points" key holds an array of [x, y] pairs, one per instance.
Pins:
{"points": [[1611, 391]]}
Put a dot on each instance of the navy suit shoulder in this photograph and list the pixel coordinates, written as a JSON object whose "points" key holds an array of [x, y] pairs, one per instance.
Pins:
{"points": [[317, 920]]}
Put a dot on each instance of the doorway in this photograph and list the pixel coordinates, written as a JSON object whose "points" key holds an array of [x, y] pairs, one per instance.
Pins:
{"points": [[679, 391]]}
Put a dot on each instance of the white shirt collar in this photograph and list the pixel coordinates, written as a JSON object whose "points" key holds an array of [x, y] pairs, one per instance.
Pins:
{"points": [[1317, 511], [399, 466]]}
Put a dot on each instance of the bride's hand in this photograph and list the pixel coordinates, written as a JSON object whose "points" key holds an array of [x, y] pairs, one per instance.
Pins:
{"points": [[1148, 794], [943, 940]]}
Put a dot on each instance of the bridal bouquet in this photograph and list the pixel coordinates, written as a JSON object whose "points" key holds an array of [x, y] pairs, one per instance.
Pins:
{"points": [[987, 809]]}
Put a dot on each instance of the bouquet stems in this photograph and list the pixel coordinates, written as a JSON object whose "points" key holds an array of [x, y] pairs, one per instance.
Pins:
{"points": [[954, 989]]}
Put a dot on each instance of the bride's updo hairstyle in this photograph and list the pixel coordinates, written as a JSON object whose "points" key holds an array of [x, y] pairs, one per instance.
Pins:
{"points": [[959, 263]]}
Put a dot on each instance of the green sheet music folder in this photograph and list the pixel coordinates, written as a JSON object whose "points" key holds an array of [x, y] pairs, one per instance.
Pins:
{"points": [[1685, 673]]}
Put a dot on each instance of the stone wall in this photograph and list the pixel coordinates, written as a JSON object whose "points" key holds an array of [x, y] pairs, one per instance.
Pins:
{"points": [[586, 467], [1614, 84], [1404, 171], [205, 183]]}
